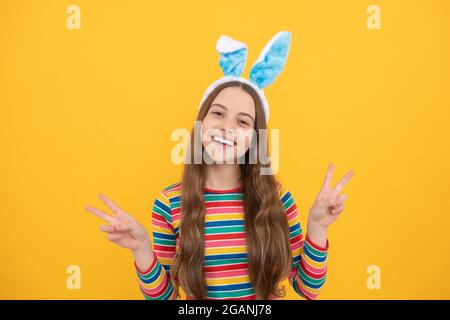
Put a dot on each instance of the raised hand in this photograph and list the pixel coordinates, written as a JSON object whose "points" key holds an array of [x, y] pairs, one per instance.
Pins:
{"points": [[328, 204], [122, 228]]}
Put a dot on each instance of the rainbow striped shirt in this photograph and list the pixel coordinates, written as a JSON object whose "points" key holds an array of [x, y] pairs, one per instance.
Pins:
{"points": [[225, 263]]}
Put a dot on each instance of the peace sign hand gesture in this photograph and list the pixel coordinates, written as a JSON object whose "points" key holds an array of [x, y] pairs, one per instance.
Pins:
{"points": [[328, 204], [122, 229]]}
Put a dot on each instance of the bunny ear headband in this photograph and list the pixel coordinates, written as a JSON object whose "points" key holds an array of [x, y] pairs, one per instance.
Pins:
{"points": [[270, 63]]}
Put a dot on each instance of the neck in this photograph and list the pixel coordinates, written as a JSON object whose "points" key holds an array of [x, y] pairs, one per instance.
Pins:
{"points": [[223, 176]]}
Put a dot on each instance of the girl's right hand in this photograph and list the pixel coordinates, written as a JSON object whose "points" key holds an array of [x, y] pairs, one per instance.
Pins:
{"points": [[122, 228]]}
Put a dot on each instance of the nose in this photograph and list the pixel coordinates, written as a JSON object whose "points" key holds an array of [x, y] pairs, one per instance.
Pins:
{"points": [[227, 126], [228, 133]]}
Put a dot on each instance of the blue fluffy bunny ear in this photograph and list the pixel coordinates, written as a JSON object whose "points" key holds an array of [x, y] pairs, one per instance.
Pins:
{"points": [[272, 60], [233, 55]]}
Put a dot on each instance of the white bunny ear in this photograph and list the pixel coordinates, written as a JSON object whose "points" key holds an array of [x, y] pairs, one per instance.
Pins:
{"points": [[233, 55], [272, 60]]}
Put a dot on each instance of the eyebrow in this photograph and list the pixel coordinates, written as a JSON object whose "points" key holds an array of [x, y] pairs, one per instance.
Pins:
{"points": [[243, 113]]}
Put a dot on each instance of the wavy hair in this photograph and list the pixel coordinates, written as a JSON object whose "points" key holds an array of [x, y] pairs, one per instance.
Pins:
{"points": [[265, 221]]}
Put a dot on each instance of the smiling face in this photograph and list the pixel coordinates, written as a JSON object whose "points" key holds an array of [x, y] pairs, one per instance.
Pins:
{"points": [[229, 125]]}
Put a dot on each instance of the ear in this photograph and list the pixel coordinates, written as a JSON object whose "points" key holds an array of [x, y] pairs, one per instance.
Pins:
{"points": [[272, 60], [233, 55]]}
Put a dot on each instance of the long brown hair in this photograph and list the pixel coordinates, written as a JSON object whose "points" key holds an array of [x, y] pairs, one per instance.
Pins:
{"points": [[266, 225]]}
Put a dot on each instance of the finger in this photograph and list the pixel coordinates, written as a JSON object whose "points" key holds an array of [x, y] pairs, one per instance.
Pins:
{"points": [[121, 225], [114, 236], [342, 198], [106, 228], [99, 213], [336, 200], [328, 176], [338, 209], [343, 182], [113, 206]]}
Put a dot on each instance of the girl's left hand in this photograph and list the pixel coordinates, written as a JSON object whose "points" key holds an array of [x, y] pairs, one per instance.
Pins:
{"points": [[328, 204]]}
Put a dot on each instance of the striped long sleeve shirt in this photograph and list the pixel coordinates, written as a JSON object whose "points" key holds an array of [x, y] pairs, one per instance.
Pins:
{"points": [[225, 263]]}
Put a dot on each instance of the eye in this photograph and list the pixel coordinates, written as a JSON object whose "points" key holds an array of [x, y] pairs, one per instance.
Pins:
{"points": [[216, 112], [243, 122]]}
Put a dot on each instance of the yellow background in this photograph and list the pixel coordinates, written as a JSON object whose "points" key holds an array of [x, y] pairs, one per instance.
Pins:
{"points": [[91, 110]]}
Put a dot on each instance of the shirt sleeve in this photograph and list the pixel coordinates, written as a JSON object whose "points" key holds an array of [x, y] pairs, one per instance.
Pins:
{"points": [[309, 265], [155, 282]]}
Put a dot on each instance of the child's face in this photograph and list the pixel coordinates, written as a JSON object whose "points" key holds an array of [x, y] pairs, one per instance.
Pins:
{"points": [[231, 117]]}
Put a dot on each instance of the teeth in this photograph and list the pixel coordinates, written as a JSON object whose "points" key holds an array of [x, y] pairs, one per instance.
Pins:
{"points": [[219, 139]]}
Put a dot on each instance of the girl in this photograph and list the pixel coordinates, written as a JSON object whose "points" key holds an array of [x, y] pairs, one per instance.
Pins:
{"points": [[228, 231]]}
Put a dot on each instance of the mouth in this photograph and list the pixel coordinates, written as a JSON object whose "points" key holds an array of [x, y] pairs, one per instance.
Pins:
{"points": [[224, 141]]}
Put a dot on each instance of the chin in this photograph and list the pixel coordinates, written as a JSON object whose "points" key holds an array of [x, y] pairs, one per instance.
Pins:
{"points": [[224, 161]]}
